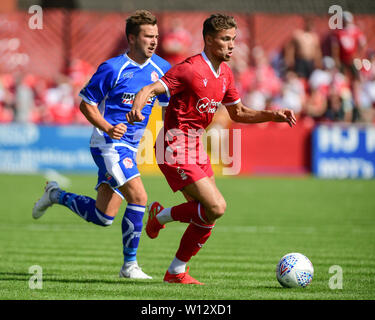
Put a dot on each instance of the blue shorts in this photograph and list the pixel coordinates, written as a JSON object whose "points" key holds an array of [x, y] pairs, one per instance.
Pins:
{"points": [[117, 165]]}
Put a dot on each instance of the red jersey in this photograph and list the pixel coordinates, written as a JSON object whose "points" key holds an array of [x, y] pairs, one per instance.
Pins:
{"points": [[195, 91], [348, 40]]}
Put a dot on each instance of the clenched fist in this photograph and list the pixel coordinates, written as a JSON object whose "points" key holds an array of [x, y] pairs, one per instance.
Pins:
{"points": [[134, 116], [117, 131]]}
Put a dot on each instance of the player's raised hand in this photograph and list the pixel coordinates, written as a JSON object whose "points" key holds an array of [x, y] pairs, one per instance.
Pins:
{"points": [[285, 115], [134, 115], [117, 131]]}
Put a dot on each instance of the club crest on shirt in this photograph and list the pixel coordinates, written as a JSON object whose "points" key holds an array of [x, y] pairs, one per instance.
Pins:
{"points": [[224, 85], [154, 76], [207, 105], [128, 163]]}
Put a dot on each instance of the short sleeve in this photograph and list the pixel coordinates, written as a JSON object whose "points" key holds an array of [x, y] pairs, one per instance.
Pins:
{"points": [[231, 96], [163, 100], [175, 80], [99, 85]]}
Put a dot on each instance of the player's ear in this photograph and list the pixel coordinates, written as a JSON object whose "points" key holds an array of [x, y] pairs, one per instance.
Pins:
{"points": [[131, 38], [208, 39]]}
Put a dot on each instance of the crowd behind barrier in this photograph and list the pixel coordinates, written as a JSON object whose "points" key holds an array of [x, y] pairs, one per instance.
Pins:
{"points": [[323, 77]]}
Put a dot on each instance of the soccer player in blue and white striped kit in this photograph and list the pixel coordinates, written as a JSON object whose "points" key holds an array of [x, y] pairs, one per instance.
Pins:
{"points": [[106, 100]]}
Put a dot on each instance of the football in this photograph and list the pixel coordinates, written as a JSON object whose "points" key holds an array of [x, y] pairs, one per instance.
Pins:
{"points": [[294, 270]]}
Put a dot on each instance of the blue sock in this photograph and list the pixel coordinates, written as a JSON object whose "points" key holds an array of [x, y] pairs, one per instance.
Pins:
{"points": [[85, 208], [131, 230]]}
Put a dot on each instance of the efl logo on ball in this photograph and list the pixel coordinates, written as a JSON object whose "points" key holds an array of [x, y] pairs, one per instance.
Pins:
{"points": [[294, 270]]}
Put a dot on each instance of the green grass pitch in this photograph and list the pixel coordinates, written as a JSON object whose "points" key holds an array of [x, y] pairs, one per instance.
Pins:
{"points": [[332, 222]]}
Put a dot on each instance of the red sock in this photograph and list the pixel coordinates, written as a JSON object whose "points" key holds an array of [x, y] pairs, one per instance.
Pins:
{"points": [[188, 212], [192, 240]]}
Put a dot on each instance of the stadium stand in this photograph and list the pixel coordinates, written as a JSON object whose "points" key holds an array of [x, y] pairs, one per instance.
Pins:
{"points": [[49, 68]]}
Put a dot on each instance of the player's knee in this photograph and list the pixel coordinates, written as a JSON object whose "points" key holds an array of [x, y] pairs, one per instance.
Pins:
{"points": [[139, 198], [217, 210]]}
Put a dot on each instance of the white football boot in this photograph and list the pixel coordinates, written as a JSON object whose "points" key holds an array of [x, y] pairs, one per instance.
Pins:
{"points": [[44, 202], [133, 271]]}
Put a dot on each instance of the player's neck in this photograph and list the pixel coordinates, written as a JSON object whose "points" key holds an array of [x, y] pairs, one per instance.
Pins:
{"points": [[138, 58], [214, 61]]}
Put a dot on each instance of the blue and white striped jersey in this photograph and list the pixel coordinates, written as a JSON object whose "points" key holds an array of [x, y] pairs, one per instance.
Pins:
{"points": [[113, 87]]}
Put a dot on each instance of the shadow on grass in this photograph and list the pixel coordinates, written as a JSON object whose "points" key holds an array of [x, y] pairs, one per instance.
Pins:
{"points": [[22, 276], [14, 274]]}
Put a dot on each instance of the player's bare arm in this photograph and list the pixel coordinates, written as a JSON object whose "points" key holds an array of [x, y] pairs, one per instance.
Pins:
{"points": [[240, 113], [94, 116], [135, 114]]}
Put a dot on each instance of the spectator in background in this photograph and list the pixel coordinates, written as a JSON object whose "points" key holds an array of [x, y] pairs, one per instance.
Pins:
{"points": [[293, 93], [6, 98], [347, 44], [321, 78], [40, 110], [24, 98], [303, 53], [176, 42], [337, 108], [79, 73], [60, 103], [324, 85], [259, 82], [367, 88]]}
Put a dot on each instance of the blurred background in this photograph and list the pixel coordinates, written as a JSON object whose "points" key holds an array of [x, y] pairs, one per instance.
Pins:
{"points": [[318, 61]]}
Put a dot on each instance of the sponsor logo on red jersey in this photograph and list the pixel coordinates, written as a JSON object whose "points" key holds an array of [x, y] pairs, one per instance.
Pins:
{"points": [[207, 105]]}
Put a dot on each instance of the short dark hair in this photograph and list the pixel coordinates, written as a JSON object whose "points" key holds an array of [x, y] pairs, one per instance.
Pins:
{"points": [[217, 22], [137, 19]]}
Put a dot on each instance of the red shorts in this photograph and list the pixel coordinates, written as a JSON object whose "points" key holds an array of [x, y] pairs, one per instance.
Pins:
{"points": [[180, 175], [182, 168]]}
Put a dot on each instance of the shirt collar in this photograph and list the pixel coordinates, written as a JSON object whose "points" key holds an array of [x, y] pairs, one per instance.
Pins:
{"points": [[135, 63], [205, 58]]}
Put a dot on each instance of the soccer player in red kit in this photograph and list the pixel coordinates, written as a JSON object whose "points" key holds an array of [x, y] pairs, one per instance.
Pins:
{"points": [[196, 87], [348, 44]]}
